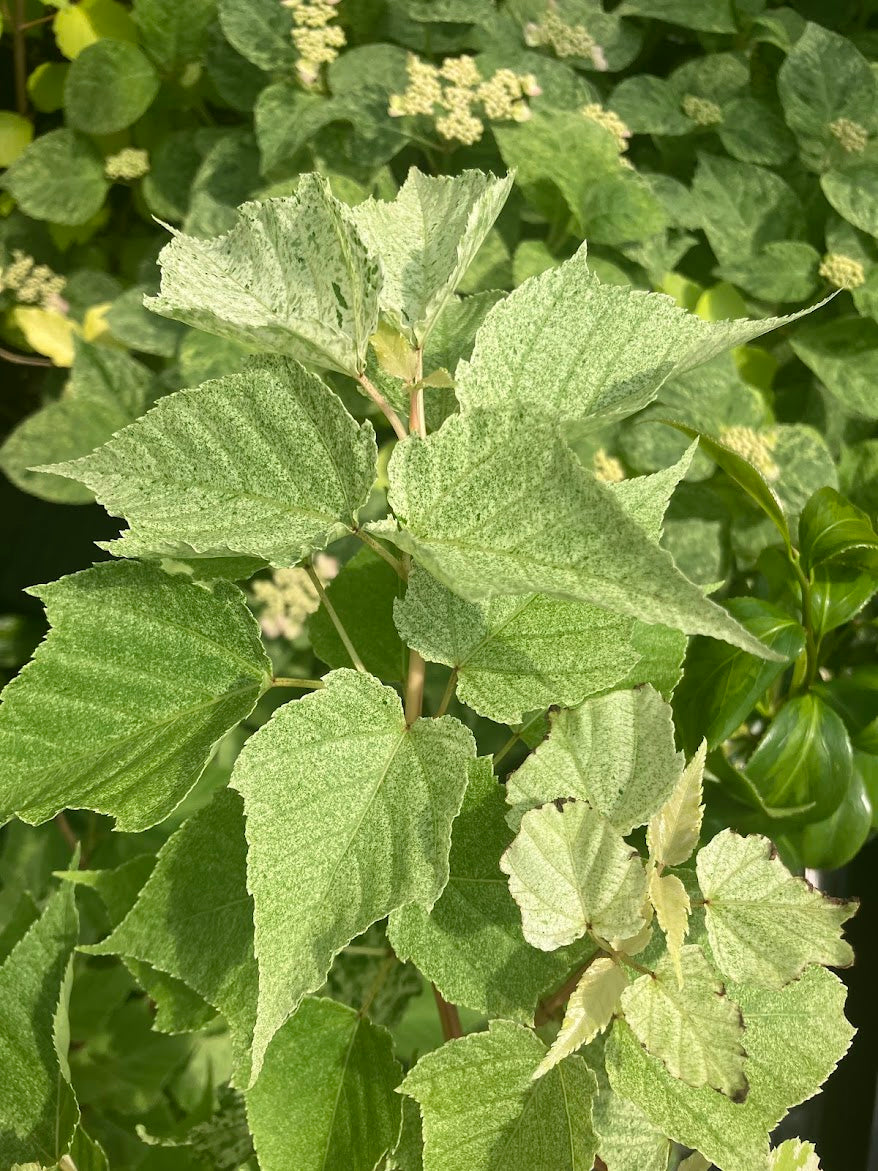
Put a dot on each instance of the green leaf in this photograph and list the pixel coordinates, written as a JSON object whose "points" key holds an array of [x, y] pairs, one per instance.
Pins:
{"points": [[266, 464], [571, 872], [427, 238], [627, 1140], [606, 361], [37, 1104], [138, 329], [172, 35], [615, 751], [649, 105], [673, 832], [325, 1099], [590, 1009], [108, 87], [721, 684], [483, 1111], [830, 528], [107, 390], [470, 944], [292, 277], [785, 270], [380, 798], [196, 895], [260, 31], [853, 192], [459, 495], [60, 177], [794, 1037], [764, 925], [804, 762], [754, 132], [794, 1155], [695, 1030], [139, 677], [710, 16], [843, 353]]}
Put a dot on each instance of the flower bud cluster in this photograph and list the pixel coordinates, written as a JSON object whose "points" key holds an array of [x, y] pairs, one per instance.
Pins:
{"points": [[285, 600], [701, 110], [607, 468], [460, 100], [565, 40], [316, 38], [852, 136], [842, 271], [33, 284], [610, 121], [126, 166], [754, 446]]}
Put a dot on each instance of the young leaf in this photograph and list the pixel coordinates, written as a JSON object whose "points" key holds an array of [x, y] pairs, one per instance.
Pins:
{"points": [[426, 239], [349, 816], [266, 463], [197, 894], [692, 1026], [794, 1038], [482, 1109], [571, 348], [794, 1155], [37, 1104], [292, 277], [673, 832], [459, 495], [830, 528], [471, 945], [615, 751], [589, 1010], [671, 903], [570, 872], [764, 925], [140, 675], [325, 1099]]}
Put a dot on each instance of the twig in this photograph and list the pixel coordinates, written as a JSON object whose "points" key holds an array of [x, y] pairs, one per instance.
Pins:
{"points": [[66, 831], [23, 359], [449, 1017], [40, 20], [383, 405], [378, 548], [20, 56], [334, 619], [549, 1005], [304, 684], [448, 694]]}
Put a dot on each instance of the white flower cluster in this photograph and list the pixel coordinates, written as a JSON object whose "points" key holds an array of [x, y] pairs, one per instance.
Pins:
{"points": [[316, 38], [127, 165], [565, 40], [460, 100], [610, 121], [842, 271], [33, 284], [701, 110], [755, 446], [607, 468], [286, 599], [852, 136]]}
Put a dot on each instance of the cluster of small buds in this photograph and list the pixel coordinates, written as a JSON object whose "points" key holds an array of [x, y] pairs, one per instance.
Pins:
{"points": [[285, 600], [701, 110], [607, 468], [33, 284], [842, 271], [610, 121], [316, 38], [126, 166], [852, 136], [754, 446], [565, 40], [455, 94]]}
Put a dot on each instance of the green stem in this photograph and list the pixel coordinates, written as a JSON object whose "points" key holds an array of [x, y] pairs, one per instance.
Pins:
{"points": [[811, 644], [378, 548], [334, 618], [448, 694], [383, 405], [303, 684], [449, 1017]]}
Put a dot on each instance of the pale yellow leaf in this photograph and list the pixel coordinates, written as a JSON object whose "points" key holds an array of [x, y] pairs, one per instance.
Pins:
{"points": [[672, 834], [47, 332], [589, 1011], [94, 323], [672, 907]]}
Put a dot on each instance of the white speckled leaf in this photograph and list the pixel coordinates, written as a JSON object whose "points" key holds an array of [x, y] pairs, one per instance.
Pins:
{"points": [[265, 463], [292, 277], [765, 926], [571, 347], [426, 239], [672, 907], [349, 816], [589, 1010], [570, 872], [696, 1029], [615, 751], [483, 1111], [672, 834], [139, 677], [496, 503], [794, 1155]]}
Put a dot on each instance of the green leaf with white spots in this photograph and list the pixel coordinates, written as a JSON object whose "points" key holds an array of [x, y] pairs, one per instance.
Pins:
{"points": [[292, 277], [765, 926], [482, 1109], [571, 872], [139, 677], [265, 464], [349, 816]]}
